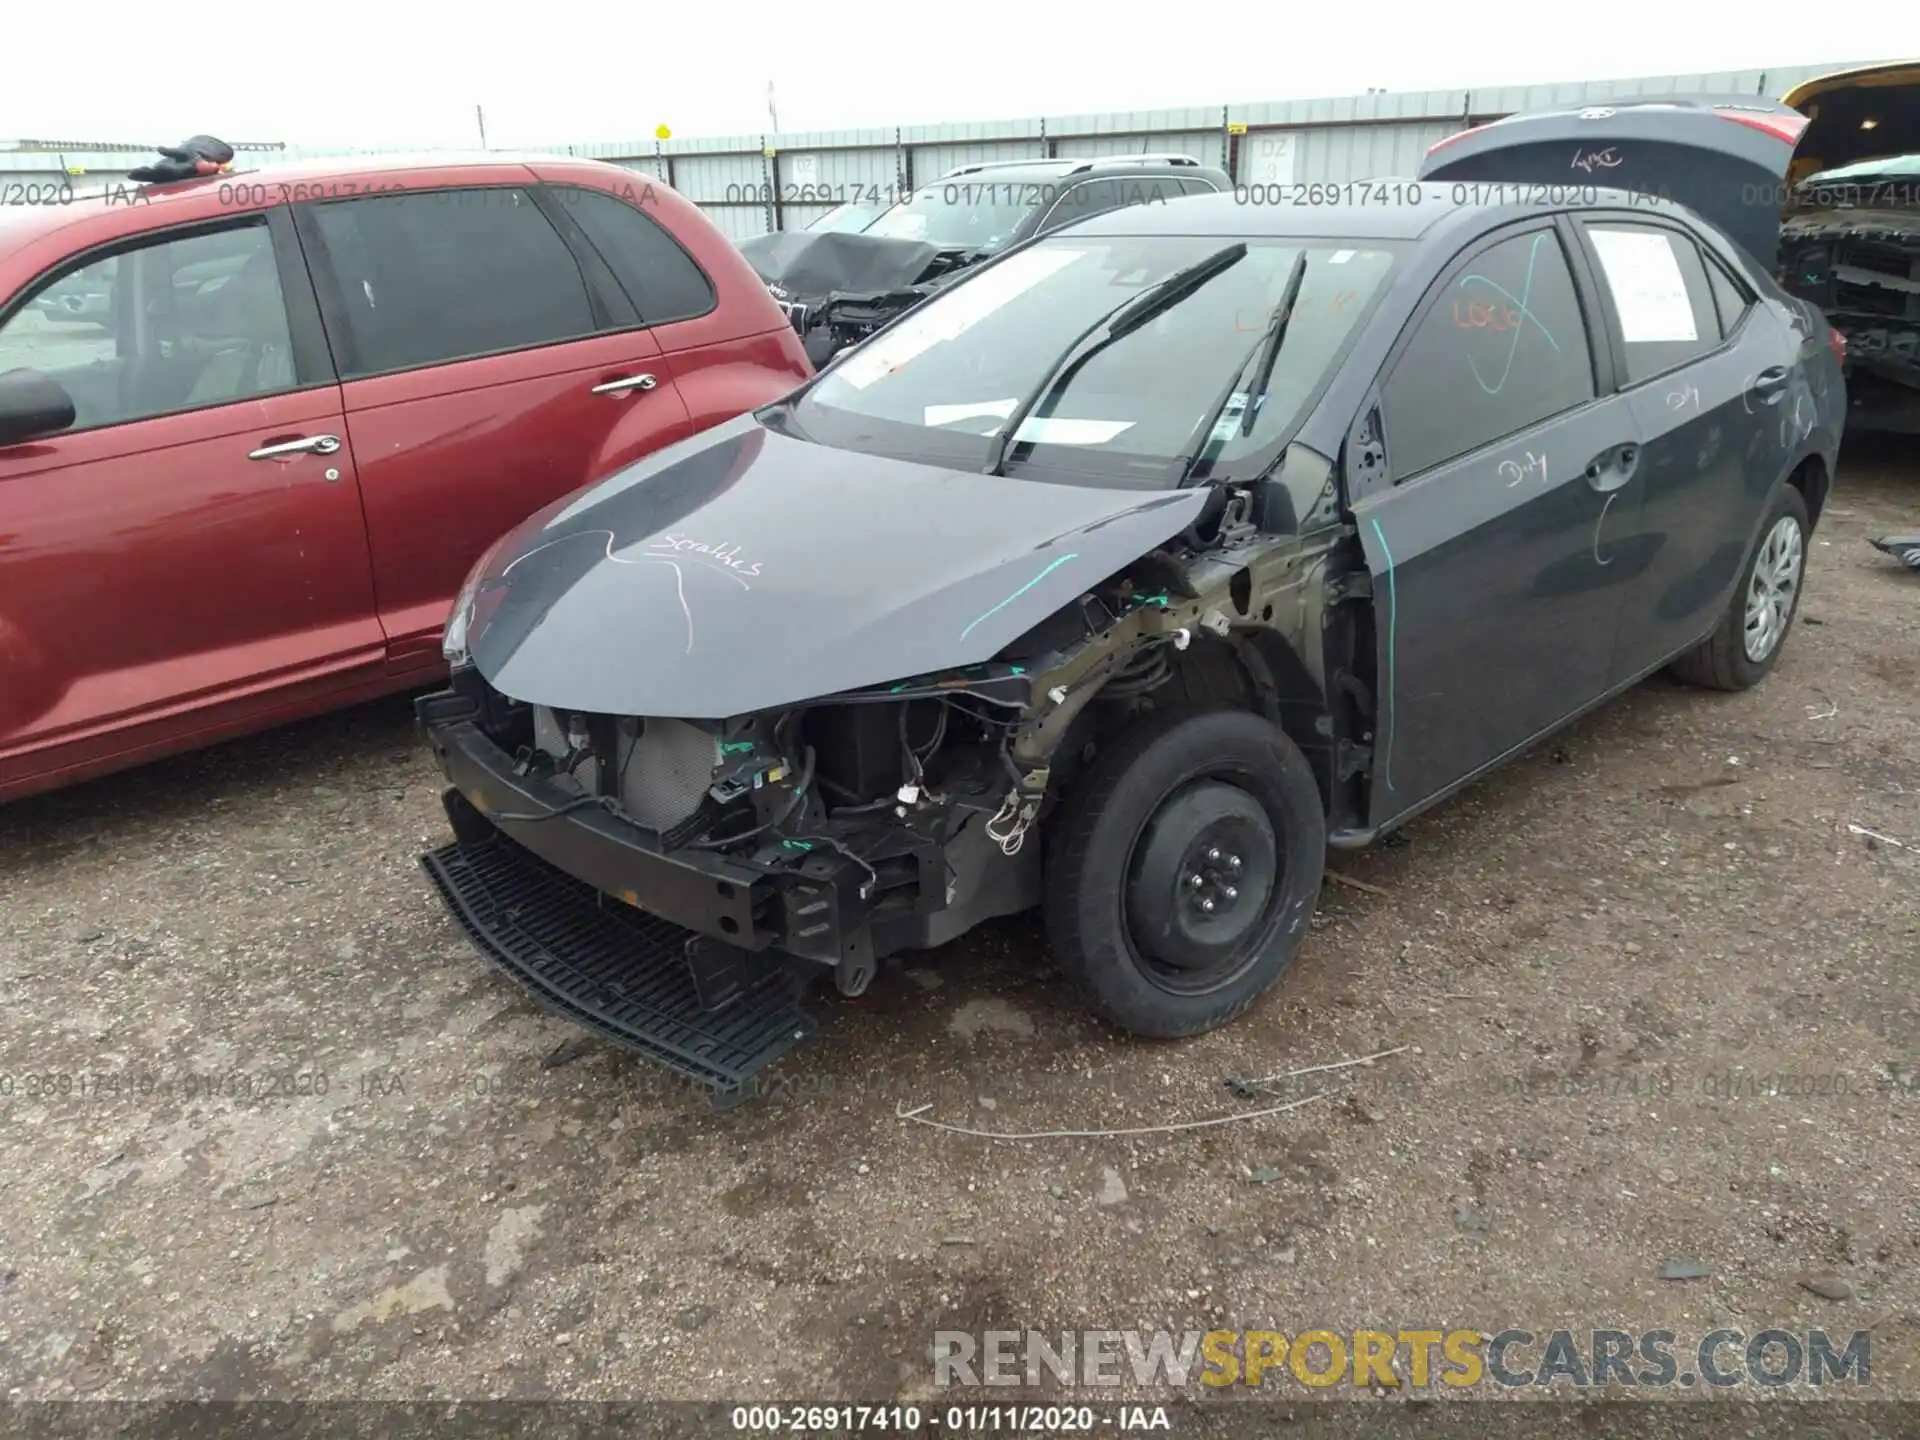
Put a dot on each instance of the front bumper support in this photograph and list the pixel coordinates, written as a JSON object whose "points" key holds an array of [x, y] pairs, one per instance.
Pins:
{"points": [[617, 971], [699, 890]]}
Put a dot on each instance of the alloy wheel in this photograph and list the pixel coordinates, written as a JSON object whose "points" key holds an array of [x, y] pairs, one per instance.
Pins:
{"points": [[1773, 587]]}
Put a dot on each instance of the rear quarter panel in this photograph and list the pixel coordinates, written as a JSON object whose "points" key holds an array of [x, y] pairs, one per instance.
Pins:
{"points": [[741, 354]]}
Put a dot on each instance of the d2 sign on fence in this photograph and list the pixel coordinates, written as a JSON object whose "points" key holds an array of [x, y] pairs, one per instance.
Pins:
{"points": [[1269, 160]]}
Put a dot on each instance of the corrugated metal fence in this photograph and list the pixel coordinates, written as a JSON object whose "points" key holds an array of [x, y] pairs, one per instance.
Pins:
{"points": [[754, 183]]}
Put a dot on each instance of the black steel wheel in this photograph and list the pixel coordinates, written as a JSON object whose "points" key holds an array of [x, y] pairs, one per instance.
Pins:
{"points": [[1183, 868]]}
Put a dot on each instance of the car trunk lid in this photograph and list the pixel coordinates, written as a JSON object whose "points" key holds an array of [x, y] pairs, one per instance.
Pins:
{"points": [[1724, 157]]}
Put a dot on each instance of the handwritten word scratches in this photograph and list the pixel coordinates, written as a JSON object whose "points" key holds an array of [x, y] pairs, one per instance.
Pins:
{"points": [[1485, 315], [723, 554], [1530, 467], [1687, 397], [1591, 160]]}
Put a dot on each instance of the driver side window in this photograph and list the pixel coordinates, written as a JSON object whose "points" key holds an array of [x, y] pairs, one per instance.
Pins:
{"points": [[176, 325], [1501, 347]]}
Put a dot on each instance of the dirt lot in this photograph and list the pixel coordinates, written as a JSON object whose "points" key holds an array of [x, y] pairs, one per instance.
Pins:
{"points": [[409, 1181]]}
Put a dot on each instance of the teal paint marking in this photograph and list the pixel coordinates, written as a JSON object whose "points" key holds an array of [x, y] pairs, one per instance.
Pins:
{"points": [[795, 845], [1055, 565], [736, 747], [1393, 620], [1520, 302]]}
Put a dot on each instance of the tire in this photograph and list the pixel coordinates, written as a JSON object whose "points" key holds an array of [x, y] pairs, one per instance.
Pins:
{"points": [[1723, 661], [1123, 908]]}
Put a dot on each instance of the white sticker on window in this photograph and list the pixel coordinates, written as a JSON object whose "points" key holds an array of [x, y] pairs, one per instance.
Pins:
{"points": [[1035, 429], [1064, 430], [979, 409], [953, 313], [1648, 289]]}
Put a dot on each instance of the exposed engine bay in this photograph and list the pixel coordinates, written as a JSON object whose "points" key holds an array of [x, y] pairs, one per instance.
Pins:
{"points": [[837, 289]]}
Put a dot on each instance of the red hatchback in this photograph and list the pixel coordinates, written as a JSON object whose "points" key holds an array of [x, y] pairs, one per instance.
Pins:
{"points": [[256, 427]]}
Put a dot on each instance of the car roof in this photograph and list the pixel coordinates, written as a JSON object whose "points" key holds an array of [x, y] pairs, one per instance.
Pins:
{"points": [[1061, 166], [1385, 209], [20, 225], [1023, 169]]}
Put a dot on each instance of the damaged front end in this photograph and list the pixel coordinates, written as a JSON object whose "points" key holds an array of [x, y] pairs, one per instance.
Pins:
{"points": [[838, 288], [1851, 245], [679, 884]]}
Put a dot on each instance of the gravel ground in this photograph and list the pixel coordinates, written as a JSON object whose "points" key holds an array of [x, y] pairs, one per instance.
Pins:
{"points": [[275, 1130]]}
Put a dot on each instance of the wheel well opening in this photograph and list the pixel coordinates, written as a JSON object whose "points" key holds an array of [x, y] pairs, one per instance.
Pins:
{"points": [[1275, 670], [1810, 479], [1260, 673]]}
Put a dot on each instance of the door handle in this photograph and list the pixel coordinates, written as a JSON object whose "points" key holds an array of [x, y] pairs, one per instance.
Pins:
{"points": [[631, 382], [1770, 384], [1614, 468], [304, 445]]}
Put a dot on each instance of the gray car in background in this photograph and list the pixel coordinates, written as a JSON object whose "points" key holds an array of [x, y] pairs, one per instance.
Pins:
{"points": [[859, 266]]}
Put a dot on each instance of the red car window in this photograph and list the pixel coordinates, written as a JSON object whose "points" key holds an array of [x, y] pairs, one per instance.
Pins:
{"points": [[414, 269], [174, 325]]}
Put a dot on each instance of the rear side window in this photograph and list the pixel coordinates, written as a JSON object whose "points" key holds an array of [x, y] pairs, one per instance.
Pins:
{"points": [[660, 278], [1079, 201], [1661, 295], [1729, 300], [1195, 187], [442, 275], [1149, 190], [1501, 347]]}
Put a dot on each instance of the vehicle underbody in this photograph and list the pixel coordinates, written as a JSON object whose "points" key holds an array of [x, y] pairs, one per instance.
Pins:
{"points": [[1853, 248], [679, 884]]}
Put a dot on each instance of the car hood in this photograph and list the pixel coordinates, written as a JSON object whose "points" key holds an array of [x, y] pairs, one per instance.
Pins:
{"points": [[806, 265], [744, 570]]}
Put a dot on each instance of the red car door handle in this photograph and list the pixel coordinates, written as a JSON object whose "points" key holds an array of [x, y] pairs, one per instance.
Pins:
{"points": [[299, 445], [631, 382]]}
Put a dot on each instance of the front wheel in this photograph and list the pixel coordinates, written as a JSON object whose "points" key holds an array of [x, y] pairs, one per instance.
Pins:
{"points": [[1742, 649], [1183, 869]]}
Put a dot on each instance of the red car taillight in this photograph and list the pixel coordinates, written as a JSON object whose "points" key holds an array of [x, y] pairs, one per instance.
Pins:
{"points": [[1837, 343], [1447, 140], [1781, 127]]}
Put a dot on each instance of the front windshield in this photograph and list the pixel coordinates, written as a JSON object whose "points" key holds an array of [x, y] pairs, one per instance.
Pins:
{"points": [[848, 219], [972, 212], [940, 383]]}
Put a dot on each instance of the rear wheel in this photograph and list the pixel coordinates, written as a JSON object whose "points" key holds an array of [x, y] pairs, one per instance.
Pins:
{"points": [[1183, 869], [1747, 641]]}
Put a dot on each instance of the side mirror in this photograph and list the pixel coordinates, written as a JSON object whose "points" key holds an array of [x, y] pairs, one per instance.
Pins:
{"points": [[32, 404]]}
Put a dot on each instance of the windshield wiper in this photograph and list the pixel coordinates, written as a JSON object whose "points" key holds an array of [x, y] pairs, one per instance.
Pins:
{"points": [[1266, 352], [1122, 320]]}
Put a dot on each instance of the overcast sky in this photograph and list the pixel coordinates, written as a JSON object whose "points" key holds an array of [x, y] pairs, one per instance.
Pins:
{"points": [[353, 72]]}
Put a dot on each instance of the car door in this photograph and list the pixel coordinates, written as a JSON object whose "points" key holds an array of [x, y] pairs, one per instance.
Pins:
{"points": [[718, 364], [484, 374], [1714, 404], [1496, 591], [190, 551]]}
